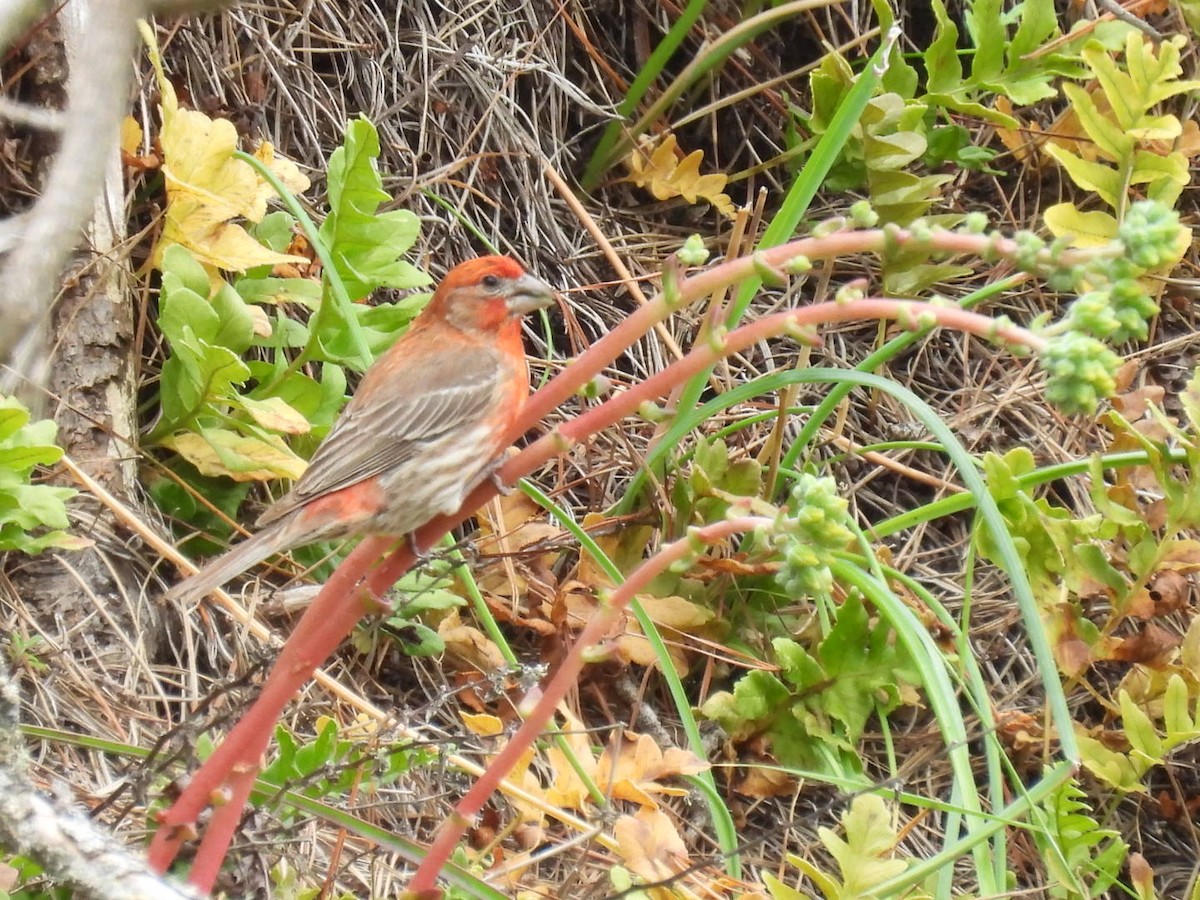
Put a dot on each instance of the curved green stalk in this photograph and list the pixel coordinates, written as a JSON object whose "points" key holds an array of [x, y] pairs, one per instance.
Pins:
{"points": [[654, 66], [328, 269]]}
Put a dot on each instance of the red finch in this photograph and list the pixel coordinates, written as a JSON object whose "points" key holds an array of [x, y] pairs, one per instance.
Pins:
{"points": [[425, 426]]}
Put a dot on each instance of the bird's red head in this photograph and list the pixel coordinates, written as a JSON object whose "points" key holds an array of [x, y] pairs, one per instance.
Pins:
{"points": [[485, 294]]}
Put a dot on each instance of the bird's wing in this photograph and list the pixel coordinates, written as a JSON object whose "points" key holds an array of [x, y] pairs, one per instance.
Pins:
{"points": [[381, 430]]}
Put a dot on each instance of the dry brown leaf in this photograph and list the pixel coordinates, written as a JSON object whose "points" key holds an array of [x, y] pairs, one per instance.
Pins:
{"points": [[469, 645], [630, 768], [651, 846], [1170, 591], [1024, 141], [1152, 646], [761, 782], [522, 523], [673, 614]]}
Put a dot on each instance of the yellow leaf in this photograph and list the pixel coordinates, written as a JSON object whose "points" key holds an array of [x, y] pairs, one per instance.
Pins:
{"points": [[277, 414], [207, 187], [131, 136], [486, 725], [483, 724], [1089, 229], [568, 790], [217, 452], [658, 171], [285, 170]]}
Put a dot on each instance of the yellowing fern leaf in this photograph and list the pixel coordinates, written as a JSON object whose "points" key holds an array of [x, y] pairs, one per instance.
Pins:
{"points": [[663, 174], [207, 187]]}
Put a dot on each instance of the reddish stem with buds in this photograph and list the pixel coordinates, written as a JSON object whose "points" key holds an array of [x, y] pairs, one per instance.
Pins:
{"points": [[355, 587]]}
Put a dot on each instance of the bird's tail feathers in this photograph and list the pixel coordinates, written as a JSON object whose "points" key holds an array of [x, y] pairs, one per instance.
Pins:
{"points": [[248, 553]]}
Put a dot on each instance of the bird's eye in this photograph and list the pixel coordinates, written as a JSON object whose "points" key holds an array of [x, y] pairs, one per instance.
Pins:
{"points": [[491, 282]]}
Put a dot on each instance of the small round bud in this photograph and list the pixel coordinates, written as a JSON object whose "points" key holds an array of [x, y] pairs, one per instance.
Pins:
{"points": [[862, 215], [975, 223], [693, 252]]}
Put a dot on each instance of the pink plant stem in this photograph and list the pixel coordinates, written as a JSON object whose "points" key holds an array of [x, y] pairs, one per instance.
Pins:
{"points": [[841, 243], [344, 599], [607, 414], [559, 684], [317, 634]]}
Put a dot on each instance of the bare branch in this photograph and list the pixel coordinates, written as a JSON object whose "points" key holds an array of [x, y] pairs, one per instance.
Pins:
{"points": [[33, 116], [98, 93]]}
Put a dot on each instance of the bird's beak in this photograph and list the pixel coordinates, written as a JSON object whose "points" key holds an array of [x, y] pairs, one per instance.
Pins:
{"points": [[528, 294]]}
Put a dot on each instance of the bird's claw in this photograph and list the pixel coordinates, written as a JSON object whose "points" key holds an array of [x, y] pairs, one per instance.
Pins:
{"points": [[414, 548], [501, 488]]}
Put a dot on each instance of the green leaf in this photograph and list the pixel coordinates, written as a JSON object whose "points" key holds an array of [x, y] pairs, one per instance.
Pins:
{"points": [[365, 244], [276, 230], [13, 416], [1113, 768], [236, 329], [1038, 23], [865, 666], [1177, 715], [26, 510], [333, 395], [184, 313], [420, 640], [1095, 562], [988, 37], [196, 374], [900, 76], [1091, 176], [184, 270], [280, 290], [1083, 859], [1090, 229], [1140, 730], [780, 891], [829, 83], [943, 70], [24, 459], [863, 855], [1150, 167], [1108, 137]]}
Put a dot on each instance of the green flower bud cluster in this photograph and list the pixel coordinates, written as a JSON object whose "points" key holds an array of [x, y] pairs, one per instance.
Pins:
{"points": [[863, 215], [1149, 234], [1082, 371], [1118, 309], [693, 252], [806, 533], [1114, 306]]}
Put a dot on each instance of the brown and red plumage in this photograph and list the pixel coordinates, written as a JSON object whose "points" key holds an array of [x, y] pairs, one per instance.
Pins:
{"points": [[426, 425]]}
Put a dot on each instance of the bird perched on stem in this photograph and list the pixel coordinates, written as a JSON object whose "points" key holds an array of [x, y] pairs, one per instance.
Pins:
{"points": [[427, 424]]}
